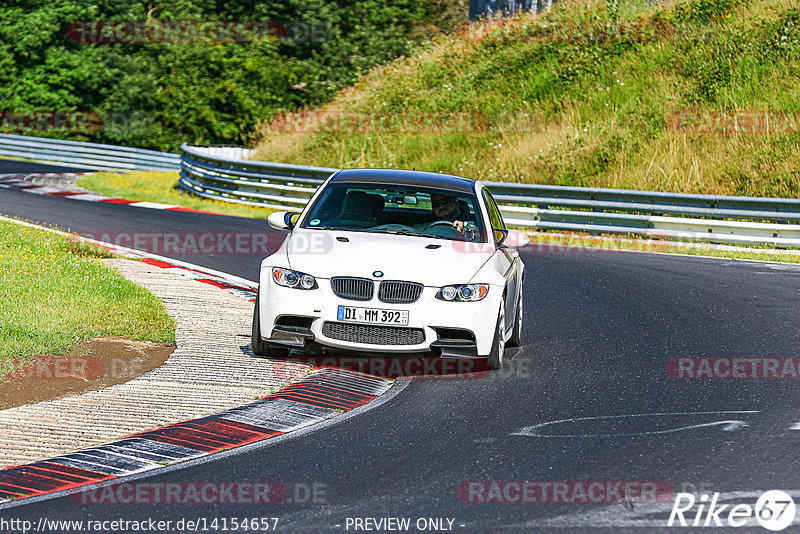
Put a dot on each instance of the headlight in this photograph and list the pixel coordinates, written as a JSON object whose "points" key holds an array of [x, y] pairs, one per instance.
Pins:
{"points": [[463, 293], [294, 279]]}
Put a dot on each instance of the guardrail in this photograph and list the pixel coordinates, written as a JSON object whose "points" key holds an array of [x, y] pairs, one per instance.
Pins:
{"points": [[93, 156], [273, 185], [707, 218]]}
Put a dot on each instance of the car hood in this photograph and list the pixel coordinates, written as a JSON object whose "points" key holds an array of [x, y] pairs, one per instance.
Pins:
{"points": [[327, 253]]}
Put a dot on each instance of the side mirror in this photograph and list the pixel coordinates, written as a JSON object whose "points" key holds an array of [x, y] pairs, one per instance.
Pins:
{"points": [[516, 239], [283, 220], [500, 236]]}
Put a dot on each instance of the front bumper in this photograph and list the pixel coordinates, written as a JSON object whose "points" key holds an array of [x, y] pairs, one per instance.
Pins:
{"points": [[436, 319]]}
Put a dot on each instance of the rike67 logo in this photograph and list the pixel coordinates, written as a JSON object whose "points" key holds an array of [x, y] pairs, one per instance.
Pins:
{"points": [[774, 510]]}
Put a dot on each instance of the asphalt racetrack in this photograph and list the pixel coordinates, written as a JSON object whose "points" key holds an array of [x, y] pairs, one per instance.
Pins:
{"points": [[9, 166]]}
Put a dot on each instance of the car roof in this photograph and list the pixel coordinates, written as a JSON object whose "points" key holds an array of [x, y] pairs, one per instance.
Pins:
{"points": [[406, 177]]}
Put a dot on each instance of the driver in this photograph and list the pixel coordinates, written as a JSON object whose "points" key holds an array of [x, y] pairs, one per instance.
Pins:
{"points": [[446, 208]]}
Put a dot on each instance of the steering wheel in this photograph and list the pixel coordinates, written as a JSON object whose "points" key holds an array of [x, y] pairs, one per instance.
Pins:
{"points": [[441, 223], [395, 227], [443, 229]]}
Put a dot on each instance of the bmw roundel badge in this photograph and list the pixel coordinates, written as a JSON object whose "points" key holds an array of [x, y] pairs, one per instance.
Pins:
{"points": [[377, 274]]}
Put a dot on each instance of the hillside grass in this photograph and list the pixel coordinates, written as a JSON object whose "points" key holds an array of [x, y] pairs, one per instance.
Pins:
{"points": [[699, 96], [151, 186], [57, 292]]}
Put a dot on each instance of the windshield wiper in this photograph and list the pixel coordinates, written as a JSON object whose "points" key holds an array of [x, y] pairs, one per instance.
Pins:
{"points": [[399, 232], [415, 233], [338, 228]]}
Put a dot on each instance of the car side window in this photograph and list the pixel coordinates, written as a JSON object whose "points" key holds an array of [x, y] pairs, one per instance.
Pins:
{"points": [[494, 211]]}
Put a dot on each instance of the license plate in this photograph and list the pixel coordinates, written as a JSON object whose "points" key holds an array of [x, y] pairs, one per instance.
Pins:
{"points": [[353, 314]]}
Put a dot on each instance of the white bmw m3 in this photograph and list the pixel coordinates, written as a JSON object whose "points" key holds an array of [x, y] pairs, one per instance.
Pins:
{"points": [[386, 262]]}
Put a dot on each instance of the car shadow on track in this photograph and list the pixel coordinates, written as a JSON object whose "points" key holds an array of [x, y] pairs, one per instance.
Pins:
{"points": [[421, 366]]}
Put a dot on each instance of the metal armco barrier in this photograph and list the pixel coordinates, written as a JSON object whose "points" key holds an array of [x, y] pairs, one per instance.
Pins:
{"points": [[707, 218], [273, 185], [222, 173], [93, 156]]}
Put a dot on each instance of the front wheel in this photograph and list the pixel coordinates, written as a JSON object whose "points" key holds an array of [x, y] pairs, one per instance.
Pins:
{"points": [[259, 346], [516, 334], [499, 345]]}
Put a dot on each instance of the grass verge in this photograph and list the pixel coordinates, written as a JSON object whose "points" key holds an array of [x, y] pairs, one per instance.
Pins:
{"points": [[149, 186], [697, 96], [56, 292]]}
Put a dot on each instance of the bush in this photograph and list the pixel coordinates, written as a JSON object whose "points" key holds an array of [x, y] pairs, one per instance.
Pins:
{"points": [[159, 95]]}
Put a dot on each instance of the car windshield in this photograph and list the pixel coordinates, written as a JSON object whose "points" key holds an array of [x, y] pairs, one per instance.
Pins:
{"points": [[398, 209]]}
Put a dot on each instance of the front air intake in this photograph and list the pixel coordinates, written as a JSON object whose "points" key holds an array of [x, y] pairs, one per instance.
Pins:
{"points": [[373, 334]]}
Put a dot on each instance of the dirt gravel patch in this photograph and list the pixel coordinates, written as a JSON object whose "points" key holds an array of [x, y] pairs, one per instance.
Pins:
{"points": [[89, 366]]}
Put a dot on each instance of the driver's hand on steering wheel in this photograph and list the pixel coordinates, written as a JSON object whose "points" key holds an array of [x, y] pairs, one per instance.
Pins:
{"points": [[459, 225]]}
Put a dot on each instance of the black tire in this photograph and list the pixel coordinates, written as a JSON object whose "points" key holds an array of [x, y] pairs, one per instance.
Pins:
{"points": [[495, 359], [516, 333], [259, 346]]}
